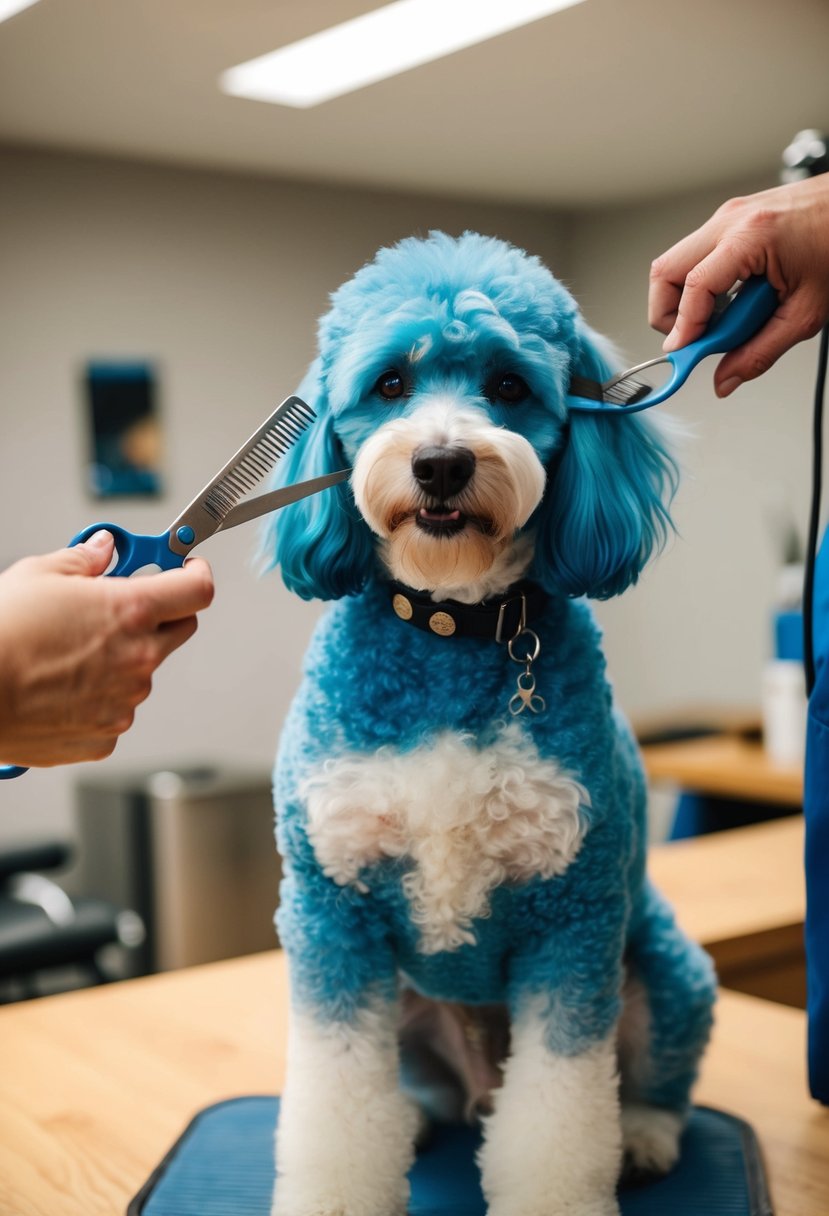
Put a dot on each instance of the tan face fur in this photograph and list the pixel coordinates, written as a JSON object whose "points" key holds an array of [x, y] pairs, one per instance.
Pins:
{"points": [[504, 490]]}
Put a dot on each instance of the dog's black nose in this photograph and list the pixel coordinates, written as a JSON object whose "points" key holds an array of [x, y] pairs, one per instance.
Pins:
{"points": [[442, 472]]}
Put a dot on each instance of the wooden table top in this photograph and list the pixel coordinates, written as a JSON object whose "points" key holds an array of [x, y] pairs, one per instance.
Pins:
{"points": [[732, 886], [728, 765], [96, 1085]]}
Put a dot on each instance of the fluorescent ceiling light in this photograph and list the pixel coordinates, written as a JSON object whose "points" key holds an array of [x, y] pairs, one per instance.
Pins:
{"points": [[377, 45], [10, 8]]}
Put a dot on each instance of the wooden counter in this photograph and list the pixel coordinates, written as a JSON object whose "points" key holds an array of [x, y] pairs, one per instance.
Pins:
{"points": [[96, 1085], [728, 766]]}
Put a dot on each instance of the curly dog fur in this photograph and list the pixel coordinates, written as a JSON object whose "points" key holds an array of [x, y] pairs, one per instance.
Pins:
{"points": [[465, 899]]}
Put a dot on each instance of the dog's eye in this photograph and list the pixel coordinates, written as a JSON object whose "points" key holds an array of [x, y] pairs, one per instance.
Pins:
{"points": [[509, 388], [391, 385]]}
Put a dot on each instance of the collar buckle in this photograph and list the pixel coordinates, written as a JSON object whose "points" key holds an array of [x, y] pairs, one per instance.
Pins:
{"points": [[502, 610]]}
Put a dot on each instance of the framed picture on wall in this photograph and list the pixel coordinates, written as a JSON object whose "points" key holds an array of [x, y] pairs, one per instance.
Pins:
{"points": [[121, 401]]}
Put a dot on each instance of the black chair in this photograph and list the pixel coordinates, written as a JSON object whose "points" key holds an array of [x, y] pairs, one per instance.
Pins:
{"points": [[43, 931]]}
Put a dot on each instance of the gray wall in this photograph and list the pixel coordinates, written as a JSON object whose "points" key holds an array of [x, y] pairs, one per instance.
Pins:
{"points": [[220, 279]]}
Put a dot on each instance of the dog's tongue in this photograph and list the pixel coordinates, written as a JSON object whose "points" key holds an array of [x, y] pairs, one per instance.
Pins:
{"points": [[440, 517]]}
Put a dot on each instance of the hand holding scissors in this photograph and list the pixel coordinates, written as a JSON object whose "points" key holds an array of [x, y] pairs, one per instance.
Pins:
{"points": [[217, 507]]}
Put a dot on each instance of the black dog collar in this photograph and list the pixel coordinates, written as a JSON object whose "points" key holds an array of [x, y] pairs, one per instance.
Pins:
{"points": [[497, 619]]}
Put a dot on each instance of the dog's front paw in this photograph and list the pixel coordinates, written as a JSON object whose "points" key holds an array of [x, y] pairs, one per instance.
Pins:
{"points": [[322, 1204], [346, 1194], [323, 1208], [650, 1140], [556, 1206]]}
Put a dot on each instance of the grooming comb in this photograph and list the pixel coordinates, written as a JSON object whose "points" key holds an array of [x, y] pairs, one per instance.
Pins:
{"points": [[744, 314]]}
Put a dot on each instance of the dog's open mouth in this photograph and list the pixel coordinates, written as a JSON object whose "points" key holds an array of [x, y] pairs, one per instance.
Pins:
{"points": [[441, 519]]}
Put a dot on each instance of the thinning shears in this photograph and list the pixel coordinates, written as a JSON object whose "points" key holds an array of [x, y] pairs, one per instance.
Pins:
{"points": [[217, 507]]}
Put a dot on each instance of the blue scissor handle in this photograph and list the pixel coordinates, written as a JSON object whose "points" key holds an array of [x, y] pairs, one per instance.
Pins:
{"points": [[135, 552]]}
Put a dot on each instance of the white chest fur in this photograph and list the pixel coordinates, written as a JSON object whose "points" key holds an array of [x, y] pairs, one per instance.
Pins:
{"points": [[469, 819]]}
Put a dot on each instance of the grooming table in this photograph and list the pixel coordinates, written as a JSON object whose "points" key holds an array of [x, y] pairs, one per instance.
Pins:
{"points": [[223, 1166]]}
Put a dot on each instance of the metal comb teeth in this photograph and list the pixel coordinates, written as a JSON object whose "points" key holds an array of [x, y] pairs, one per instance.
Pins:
{"points": [[257, 457], [626, 392]]}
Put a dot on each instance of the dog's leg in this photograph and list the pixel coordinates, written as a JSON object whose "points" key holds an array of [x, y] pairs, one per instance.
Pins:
{"points": [[668, 1001], [346, 1132], [553, 1145]]}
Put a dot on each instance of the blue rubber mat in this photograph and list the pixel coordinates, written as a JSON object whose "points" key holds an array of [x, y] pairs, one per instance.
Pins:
{"points": [[223, 1166]]}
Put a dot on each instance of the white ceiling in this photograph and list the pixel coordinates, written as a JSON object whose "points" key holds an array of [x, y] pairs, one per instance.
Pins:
{"points": [[606, 102]]}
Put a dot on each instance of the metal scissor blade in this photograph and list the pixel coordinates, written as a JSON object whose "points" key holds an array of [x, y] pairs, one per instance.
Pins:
{"points": [[264, 503], [254, 460]]}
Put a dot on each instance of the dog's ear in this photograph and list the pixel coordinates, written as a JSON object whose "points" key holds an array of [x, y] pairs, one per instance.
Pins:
{"points": [[606, 509], [321, 544]]}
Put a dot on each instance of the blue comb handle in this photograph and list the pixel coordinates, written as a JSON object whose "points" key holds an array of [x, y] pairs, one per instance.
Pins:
{"points": [[754, 304]]}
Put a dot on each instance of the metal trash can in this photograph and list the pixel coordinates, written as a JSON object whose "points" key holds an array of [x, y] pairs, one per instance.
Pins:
{"points": [[192, 851]]}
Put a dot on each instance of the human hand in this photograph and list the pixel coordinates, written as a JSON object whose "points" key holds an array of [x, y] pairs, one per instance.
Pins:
{"points": [[781, 233], [77, 652]]}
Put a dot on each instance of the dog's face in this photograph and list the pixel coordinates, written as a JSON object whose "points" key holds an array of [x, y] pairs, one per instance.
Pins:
{"points": [[445, 489], [442, 381]]}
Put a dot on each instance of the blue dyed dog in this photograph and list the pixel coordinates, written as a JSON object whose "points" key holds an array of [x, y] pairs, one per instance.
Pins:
{"points": [[461, 809]]}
